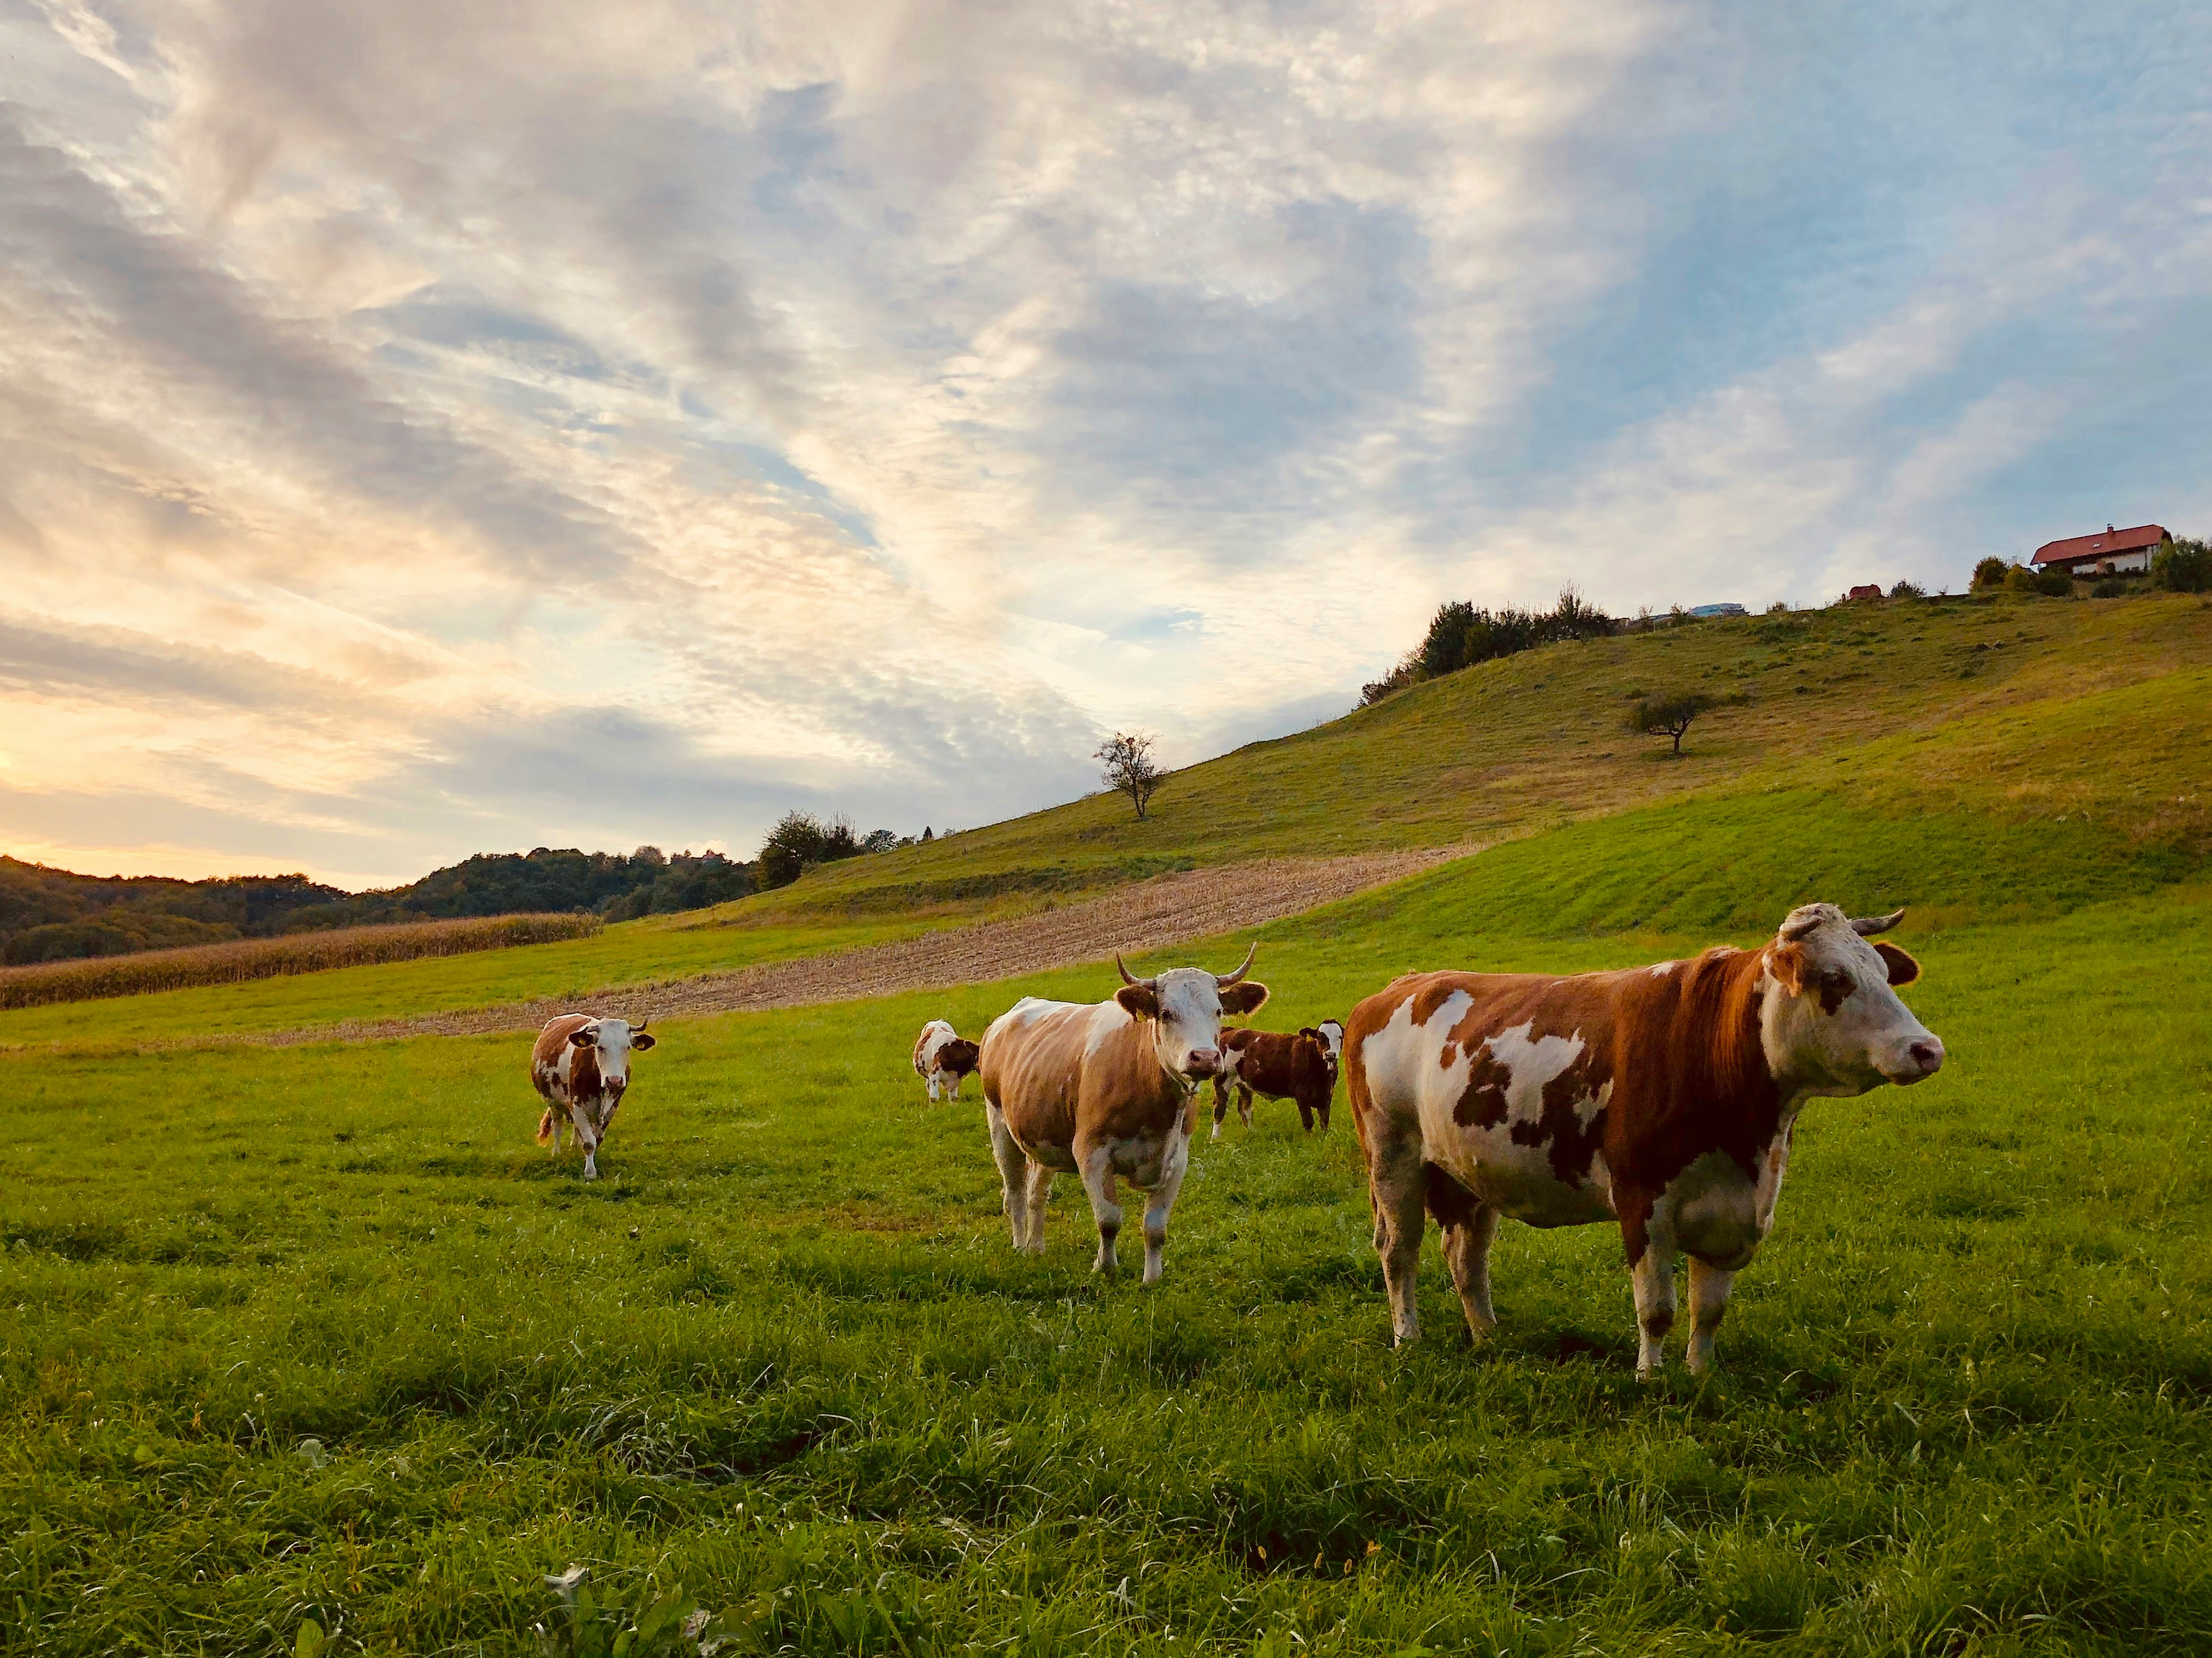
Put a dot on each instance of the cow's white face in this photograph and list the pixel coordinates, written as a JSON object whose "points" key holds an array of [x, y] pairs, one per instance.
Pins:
{"points": [[1332, 1036], [1831, 1020], [614, 1041], [1184, 1007]]}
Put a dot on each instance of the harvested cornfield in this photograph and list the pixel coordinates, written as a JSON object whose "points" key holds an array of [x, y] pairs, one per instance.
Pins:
{"points": [[1166, 910], [269, 959]]}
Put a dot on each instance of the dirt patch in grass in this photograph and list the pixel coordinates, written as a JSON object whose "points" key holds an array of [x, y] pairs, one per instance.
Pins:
{"points": [[1168, 909]]}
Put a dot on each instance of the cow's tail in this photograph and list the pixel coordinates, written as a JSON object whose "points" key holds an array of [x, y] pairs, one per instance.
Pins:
{"points": [[545, 1127]]}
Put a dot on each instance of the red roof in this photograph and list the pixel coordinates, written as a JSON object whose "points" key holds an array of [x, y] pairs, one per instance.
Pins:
{"points": [[2090, 546]]}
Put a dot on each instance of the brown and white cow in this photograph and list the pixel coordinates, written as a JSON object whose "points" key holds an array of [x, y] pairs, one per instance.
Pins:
{"points": [[943, 1059], [1106, 1090], [1660, 1097], [582, 1066], [1300, 1067]]}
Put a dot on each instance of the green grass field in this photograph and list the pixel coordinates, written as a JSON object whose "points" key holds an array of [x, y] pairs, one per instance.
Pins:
{"points": [[783, 1358]]}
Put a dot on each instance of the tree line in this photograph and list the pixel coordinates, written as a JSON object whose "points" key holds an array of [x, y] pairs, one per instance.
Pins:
{"points": [[55, 914]]}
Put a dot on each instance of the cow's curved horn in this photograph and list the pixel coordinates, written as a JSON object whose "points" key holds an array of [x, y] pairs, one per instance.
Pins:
{"points": [[1867, 926], [641, 1024], [1225, 979], [1129, 978]]}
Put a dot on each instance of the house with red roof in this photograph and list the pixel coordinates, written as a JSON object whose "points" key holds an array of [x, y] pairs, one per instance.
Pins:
{"points": [[2116, 552]]}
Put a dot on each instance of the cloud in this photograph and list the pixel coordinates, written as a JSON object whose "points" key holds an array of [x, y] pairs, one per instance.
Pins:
{"points": [[866, 406]]}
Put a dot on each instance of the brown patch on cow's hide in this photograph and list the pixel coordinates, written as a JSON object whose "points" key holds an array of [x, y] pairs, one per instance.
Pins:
{"points": [[1433, 996], [1836, 987], [1482, 1104], [1572, 1142], [958, 1057]]}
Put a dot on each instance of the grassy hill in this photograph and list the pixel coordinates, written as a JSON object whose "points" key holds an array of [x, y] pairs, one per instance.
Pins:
{"points": [[2022, 709]]}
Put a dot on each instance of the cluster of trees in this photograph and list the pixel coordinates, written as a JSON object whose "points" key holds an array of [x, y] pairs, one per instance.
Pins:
{"points": [[56, 914], [800, 840], [1462, 633]]}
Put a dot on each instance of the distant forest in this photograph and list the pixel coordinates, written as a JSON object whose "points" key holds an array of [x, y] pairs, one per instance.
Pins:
{"points": [[54, 914]]}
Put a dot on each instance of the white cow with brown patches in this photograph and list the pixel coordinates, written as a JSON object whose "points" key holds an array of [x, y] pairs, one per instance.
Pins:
{"points": [[943, 1059], [1660, 1097], [1107, 1090], [580, 1065]]}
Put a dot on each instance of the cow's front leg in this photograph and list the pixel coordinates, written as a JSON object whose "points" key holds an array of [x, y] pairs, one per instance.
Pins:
{"points": [[1173, 1161], [1013, 1174], [1095, 1165], [1244, 1104], [1220, 1104], [1652, 1272], [1709, 1297], [587, 1136]]}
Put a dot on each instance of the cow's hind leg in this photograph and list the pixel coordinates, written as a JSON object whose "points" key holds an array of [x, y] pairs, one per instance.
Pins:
{"points": [[1709, 1297], [1652, 1273], [1095, 1165], [1468, 1225], [1395, 1187], [1039, 1193], [1013, 1173]]}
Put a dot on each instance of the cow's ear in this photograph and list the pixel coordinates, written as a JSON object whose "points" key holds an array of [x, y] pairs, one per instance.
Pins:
{"points": [[640, 1043], [1308, 1031], [584, 1036], [1903, 969], [1244, 999], [1787, 963], [1141, 1001]]}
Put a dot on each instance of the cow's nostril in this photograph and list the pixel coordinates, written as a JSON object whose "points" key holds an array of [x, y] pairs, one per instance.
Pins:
{"points": [[1927, 1055], [1204, 1061]]}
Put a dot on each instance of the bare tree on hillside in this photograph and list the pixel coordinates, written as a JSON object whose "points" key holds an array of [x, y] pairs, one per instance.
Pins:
{"points": [[1125, 759]]}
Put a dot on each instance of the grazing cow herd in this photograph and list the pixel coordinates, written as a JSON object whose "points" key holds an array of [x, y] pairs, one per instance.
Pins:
{"points": [[1659, 1098]]}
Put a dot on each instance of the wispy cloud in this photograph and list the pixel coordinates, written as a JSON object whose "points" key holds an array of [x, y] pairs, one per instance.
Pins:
{"points": [[407, 410]]}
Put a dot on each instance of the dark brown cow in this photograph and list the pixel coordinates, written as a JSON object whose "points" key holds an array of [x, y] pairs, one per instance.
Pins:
{"points": [[582, 1066], [1662, 1097], [1107, 1090], [1300, 1067]]}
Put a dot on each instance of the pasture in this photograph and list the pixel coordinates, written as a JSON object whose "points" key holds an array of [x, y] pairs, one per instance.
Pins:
{"points": [[317, 1333]]}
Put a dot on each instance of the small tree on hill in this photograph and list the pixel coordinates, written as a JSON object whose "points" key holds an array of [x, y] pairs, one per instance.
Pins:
{"points": [[1990, 572], [1669, 714], [2182, 566], [1126, 765]]}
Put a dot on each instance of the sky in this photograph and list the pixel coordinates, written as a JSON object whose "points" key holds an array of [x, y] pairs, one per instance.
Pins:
{"points": [[429, 428]]}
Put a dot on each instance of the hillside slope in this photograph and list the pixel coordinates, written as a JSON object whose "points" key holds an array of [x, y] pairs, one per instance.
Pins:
{"points": [[2021, 707]]}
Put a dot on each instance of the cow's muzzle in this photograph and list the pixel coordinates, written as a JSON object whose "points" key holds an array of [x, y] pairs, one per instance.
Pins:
{"points": [[1201, 1063], [1920, 1059]]}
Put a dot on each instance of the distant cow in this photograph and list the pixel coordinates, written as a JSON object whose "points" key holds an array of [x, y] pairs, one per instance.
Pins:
{"points": [[943, 1059], [581, 1066], [1661, 1097], [1299, 1067], [1106, 1090]]}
